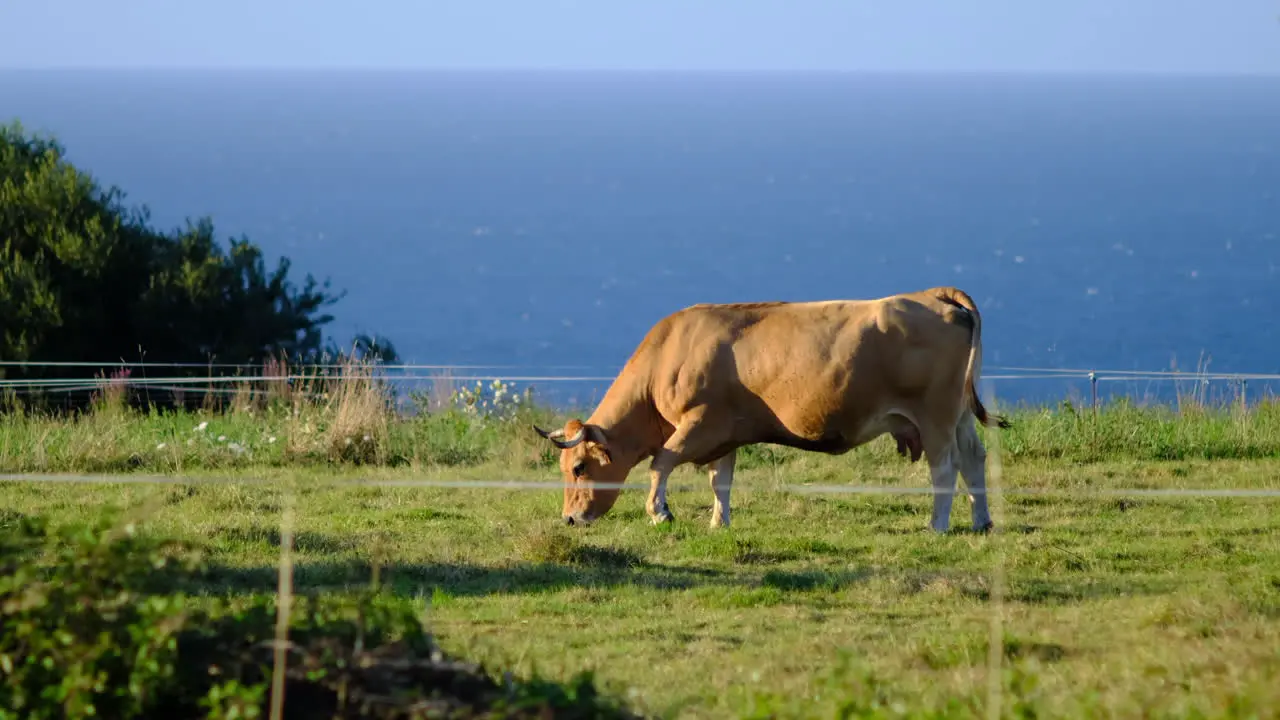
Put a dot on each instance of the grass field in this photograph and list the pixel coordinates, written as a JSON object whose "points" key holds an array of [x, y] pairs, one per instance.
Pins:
{"points": [[1100, 603]]}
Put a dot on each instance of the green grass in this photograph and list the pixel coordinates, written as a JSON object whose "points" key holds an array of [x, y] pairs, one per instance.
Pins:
{"points": [[809, 606], [1106, 605], [111, 439]]}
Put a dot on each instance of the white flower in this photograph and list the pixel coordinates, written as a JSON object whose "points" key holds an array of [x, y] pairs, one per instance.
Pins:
{"points": [[271, 439], [161, 446], [201, 426], [222, 438]]}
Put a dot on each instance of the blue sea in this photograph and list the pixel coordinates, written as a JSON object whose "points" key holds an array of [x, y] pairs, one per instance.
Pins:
{"points": [[542, 221]]}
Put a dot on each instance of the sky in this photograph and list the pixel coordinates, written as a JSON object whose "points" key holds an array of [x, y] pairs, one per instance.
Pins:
{"points": [[1081, 36]]}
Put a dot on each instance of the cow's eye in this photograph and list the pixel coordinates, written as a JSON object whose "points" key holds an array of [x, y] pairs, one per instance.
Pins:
{"points": [[579, 468]]}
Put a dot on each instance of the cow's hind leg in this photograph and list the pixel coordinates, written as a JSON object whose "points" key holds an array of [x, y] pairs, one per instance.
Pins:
{"points": [[695, 436], [972, 457], [721, 475], [940, 450]]}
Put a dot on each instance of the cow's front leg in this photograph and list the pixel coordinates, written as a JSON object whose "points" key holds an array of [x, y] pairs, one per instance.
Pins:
{"points": [[659, 470], [694, 437], [721, 475]]}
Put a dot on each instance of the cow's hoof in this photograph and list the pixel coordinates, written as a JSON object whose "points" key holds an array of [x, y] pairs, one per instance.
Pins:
{"points": [[662, 517]]}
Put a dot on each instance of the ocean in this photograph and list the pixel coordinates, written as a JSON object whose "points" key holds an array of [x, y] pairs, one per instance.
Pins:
{"points": [[543, 221]]}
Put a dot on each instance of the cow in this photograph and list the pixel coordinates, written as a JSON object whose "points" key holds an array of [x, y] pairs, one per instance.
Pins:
{"points": [[822, 376]]}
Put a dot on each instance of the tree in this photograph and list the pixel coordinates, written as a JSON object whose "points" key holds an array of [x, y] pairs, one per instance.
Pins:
{"points": [[85, 278]]}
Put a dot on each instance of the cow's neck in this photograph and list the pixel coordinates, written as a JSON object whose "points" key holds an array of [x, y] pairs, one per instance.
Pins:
{"points": [[630, 421]]}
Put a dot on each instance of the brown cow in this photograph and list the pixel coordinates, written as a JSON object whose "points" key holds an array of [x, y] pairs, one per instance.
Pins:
{"points": [[822, 376]]}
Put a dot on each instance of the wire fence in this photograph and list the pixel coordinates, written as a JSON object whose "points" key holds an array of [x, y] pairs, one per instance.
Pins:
{"points": [[608, 373], [554, 485], [559, 387]]}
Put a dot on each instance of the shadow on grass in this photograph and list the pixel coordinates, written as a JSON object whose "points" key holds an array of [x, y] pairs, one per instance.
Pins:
{"points": [[303, 541], [459, 579], [611, 573], [597, 567], [1066, 590], [551, 562], [809, 580]]}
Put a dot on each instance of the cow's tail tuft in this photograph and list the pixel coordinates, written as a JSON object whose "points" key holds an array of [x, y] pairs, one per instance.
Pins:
{"points": [[959, 298]]}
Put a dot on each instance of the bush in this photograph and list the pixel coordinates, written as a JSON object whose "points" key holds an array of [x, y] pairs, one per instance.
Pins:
{"points": [[94, 623], [84, 278]]}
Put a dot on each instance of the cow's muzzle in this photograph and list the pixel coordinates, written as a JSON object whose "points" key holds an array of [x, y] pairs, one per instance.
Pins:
{"points": [[578, 518]]}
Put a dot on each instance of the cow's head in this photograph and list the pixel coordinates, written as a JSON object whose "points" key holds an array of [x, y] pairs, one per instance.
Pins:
{"points": [[586, 464]]}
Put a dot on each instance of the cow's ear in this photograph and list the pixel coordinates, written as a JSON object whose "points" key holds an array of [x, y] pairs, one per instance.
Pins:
{"points": [[601, 454]]}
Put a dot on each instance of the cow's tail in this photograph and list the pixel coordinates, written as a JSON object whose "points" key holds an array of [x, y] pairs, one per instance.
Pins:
{"points": [[959, 298]]}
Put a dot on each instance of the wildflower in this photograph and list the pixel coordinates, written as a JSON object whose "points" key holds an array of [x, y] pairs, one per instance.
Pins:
{"points": [[201, 426], [161, 446], [222, 438], [271, 439]]}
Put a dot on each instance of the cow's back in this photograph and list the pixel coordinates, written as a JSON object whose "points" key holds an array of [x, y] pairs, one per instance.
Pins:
{"points": [[808, 370]]}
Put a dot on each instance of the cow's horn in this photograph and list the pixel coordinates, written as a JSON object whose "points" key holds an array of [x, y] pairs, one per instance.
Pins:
{"points": [[557, 437]]}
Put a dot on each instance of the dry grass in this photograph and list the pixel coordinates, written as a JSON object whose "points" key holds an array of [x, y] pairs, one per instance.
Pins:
{"points": [[358, 410]]}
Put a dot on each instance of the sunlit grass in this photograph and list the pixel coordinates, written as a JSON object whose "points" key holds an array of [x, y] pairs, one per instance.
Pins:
{"points": [[350, 419], [1110, 605]]}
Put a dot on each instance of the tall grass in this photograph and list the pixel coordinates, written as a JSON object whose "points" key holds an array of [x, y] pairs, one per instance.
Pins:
{"points": [[351, 416]]}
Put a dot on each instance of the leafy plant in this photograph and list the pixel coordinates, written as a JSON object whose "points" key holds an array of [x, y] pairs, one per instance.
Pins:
{"points": [[95, 624]]}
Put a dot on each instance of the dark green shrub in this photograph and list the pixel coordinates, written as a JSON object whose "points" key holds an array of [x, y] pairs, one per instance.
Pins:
{"points": [[85, 278], [95, 623]]}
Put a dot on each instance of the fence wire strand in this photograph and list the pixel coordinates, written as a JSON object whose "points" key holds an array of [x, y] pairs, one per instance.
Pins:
{"points": [[406, 371], [804, 489]]}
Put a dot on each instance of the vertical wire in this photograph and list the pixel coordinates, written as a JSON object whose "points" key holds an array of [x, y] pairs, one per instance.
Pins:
{"points": [[995, 643], [284, 601]]}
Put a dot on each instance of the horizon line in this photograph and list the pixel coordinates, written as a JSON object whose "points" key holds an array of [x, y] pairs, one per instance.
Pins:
{"points": [[639, 70]]}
